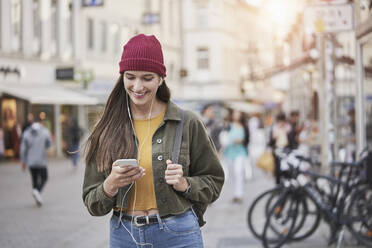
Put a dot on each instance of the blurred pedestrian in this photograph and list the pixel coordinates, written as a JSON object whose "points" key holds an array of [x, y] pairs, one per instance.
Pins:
{"points": [[140, 122], [35, 142], [295, 129], [74, 134], [279, 140], [257, 140], [16, 139], [2, 146], [212, 124], [29, 121], [235, 152]]}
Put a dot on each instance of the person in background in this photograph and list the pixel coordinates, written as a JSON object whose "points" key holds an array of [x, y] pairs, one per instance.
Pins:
{"points": [[16, 139], [29, 121], [74, 134], [235, 152], [35, 142], [295, 130], [2, 146], [257, 139], [279, 139], [213, 127]]}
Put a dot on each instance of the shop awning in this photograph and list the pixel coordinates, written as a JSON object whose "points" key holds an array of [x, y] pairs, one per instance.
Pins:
{"points": [[246, 107], [47, 94]]}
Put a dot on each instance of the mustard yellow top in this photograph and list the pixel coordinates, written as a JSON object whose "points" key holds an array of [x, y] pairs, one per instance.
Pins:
{"points": [[144, 187]]}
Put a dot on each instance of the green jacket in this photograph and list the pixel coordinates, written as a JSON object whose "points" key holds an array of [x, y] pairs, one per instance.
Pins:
{"points": [[198, 156]]}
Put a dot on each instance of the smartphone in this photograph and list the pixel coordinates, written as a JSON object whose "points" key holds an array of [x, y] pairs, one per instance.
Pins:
{"points": [[126, 162]]}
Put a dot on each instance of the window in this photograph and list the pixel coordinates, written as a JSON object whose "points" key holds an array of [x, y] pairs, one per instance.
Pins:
{"points": [[90, 35], [54, 28], [16, 15], [203, 58], [115, 38], [202, 16], [69, 28], [103, 37], [171, 17], [36, 43]]}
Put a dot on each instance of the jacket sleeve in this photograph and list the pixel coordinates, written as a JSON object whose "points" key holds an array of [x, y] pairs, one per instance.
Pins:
{"points": [[206, 175], [96, 201]]}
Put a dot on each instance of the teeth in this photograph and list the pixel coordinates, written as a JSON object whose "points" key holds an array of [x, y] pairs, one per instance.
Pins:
{"points": [[137, 94]]}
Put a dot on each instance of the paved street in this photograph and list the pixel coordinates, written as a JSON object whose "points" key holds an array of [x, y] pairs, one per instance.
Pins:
{"points": [[64, 222]]}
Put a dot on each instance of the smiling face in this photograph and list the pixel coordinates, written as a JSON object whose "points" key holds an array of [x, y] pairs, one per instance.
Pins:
{"points": [[141, 86]]}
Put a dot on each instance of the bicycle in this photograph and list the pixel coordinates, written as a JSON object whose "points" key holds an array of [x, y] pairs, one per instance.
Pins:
{"points": [[331, 205], [265, 200], [284, 223]]}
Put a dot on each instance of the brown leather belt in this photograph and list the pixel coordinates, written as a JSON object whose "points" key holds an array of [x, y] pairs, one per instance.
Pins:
{"points": [[140, 220]]}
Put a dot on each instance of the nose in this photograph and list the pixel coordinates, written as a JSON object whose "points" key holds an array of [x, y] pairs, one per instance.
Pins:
{"points": [[137, 85]]}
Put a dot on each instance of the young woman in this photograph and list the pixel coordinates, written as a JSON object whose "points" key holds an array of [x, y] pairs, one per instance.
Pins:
{"points": [[236, 153], [157, 203]]}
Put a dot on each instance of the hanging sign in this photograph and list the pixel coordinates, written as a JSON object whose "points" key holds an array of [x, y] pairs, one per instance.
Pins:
{"points": [[328, 18]]}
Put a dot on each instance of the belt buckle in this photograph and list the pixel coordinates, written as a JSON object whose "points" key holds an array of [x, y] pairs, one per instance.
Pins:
{"points": [[135, 220]]}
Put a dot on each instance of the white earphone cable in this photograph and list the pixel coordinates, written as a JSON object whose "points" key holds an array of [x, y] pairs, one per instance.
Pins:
{"points": [[139, 148]]}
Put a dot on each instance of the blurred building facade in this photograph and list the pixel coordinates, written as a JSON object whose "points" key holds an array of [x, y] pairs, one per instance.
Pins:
{"points": [[39, 46], [61, 57], [222, 42], [363, 62], [347, 95], [106, 29]]}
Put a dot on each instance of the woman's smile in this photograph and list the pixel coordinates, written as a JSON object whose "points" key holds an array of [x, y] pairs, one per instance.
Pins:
{"points": [[139, 95]]}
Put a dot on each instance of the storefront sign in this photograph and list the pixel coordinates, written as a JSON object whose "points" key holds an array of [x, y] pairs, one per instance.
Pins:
{"points": [[65, 73], [5, 70], [328, 18]]}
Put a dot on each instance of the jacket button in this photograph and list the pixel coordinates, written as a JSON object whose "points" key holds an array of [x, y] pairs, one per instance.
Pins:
{"points": [[160, 157], [164, 200], [158, 141]]}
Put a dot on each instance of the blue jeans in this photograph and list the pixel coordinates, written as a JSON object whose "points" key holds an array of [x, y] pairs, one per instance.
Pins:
{"points": [[175, 232]]}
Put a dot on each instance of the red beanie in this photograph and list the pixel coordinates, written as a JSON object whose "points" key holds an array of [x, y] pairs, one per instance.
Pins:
{"points": [[143, 53]]}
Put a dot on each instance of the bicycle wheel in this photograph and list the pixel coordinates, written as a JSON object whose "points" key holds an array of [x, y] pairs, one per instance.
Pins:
{"points": [[282, 216], [308, 218], [259, 210], [360, 214], [280, 221]]}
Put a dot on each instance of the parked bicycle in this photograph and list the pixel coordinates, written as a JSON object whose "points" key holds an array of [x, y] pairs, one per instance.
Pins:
{"points": [[294, 208]]}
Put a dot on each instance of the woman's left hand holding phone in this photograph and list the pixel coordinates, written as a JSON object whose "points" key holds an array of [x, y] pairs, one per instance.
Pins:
{"points": [[121, 176]]}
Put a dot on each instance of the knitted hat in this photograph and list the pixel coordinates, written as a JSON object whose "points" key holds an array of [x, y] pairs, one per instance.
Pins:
{"points": [[143, 53]]}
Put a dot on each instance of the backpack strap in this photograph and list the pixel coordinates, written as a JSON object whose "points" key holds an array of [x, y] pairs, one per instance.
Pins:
{"points": [[178, 139], [197, 208]]}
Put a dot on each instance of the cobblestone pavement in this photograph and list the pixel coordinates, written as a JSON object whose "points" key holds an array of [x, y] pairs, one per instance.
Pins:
{"points": [[63, 221]]}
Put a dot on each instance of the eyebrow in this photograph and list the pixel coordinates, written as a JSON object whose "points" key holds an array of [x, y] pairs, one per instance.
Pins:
{"points": [[145, 75]]}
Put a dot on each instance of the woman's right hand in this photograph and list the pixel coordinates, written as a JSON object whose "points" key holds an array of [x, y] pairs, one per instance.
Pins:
{"points": [[120, 177]]}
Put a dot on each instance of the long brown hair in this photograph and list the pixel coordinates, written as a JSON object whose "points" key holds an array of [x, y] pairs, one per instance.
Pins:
{"points": [[243, 122], [112, 137]]}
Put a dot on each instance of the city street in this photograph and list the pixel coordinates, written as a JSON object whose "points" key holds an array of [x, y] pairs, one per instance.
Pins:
{"points": [[63, 221], [286, 74]]}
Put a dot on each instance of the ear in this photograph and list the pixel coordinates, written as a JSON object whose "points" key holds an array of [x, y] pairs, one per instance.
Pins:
{"points": [[161, 81]]}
